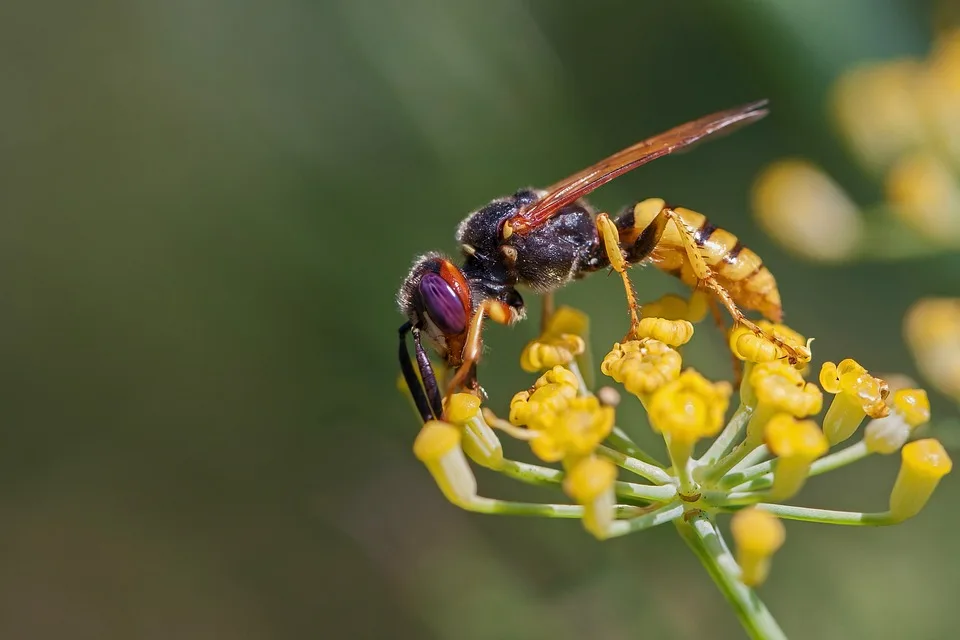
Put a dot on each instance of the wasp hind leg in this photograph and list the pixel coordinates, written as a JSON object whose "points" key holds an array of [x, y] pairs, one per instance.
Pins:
{"points": [[650, 237]]}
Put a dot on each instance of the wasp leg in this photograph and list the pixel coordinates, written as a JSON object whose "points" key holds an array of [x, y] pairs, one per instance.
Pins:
{"points": [[424, 405], [427, 374], [498, 312], [705, 275], [549, 306], [793, 355], [718, 319], [610, 237]]}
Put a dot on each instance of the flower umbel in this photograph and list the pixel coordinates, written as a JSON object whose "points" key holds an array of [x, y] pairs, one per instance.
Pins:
{"points": [[758, 458]]}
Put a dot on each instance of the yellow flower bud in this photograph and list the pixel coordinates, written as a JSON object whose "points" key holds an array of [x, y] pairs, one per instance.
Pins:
{"points": [[858, 394], [923, 191], [575, 430], [462, 407], [538, 356], [910, 409], [687, 409], [923, 463], [590, 483], [438, 447], [804, 210], [932, 329], [673, 307], [780, 388], [796, 443], [642, 366], [913, 405], [551, 392], [560, 343], [757, 535], [670, 332], [941, 96], [876, 108], [749, 347]]}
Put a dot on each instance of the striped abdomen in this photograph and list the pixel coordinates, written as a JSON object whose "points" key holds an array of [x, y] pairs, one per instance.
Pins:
{"points": [[738, 269]]}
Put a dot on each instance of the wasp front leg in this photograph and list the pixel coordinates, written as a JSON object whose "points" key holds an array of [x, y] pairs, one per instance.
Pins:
{"points": [[499, 312]]}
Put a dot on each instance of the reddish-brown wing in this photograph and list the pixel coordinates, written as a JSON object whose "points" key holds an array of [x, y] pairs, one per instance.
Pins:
{"points": [[582, 183]]}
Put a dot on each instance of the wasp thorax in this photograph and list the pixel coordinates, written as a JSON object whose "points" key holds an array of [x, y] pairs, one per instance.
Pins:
{"points": [[546, 259]]}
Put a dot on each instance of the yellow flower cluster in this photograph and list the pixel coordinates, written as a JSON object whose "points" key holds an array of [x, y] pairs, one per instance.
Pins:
{"points": [[562, 424], [756, 459], [642, 366], [561, 342]]}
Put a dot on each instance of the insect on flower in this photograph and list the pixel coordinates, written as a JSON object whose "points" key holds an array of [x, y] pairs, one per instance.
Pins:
{"points": [[543, 239]]}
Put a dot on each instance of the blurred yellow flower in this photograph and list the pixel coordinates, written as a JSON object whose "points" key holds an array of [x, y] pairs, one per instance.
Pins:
{"points": [[806, 211], [757, 536], [560, 343], [932, 330]]}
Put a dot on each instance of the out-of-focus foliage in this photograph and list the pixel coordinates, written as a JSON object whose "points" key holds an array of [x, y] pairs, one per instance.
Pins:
{"points": [[209, 207]]}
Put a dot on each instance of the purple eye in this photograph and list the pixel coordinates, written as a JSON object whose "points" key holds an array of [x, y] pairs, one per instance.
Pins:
{"points": [[443, 304]]}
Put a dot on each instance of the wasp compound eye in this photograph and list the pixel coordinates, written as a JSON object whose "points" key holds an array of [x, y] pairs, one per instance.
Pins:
{"points": [[442, 304]]}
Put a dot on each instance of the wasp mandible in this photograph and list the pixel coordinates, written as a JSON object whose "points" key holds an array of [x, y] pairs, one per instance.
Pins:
{"points": [[543, 239]]}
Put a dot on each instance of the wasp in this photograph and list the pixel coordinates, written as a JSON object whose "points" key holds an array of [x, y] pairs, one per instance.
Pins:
{"points": [[543, 239]]}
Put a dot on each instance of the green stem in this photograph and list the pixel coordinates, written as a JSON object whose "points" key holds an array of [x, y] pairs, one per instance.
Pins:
{"points": [[756, 456], [644, 469], [620, 441], [530, 473], [545, 476], [666, 513], [703, 537], [712, 474], [828, 516], [479, 504], [731, 433], [839, 459], [759, 476]]}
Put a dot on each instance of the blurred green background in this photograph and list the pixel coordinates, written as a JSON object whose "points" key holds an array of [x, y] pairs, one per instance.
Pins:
{"points": [[208, 207]]}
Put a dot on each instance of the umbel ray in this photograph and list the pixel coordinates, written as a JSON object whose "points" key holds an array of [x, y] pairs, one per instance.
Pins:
{"points": [[543, 239]]}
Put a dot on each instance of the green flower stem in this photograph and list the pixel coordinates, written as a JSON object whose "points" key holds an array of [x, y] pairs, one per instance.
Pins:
{"points": [[664, 514], [730, 434], [662, 493], [701, 534], [584, 388], [726, 499], [713, 473], [479, 504], [682, 465], [530, 473], [545, 476], [760, 476], [738, 479], [756, 456], [828, 516], [644, 469], [620, 441], [841, 458]]}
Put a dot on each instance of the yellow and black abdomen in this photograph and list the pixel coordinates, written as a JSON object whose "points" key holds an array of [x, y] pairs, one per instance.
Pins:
{"points": [[737, 268]]}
